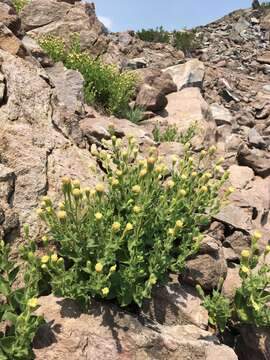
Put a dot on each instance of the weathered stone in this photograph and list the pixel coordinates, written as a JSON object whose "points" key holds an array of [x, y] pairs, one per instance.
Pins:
{"points": [[157, 79], [232, 282], [220, 114], [36, 51], [9, 17], [10, 43], [240, 176], [109, 334], [173, 304], [253, 343], [238, 242], [189, 74], [256, 140], [265, 58], [258, 160], [151, 99]]}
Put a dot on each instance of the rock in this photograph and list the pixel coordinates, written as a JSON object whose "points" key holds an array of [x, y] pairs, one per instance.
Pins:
{"points": [[151, 99], [110, 334], [9, 17], [238, 242], [255, 139], [238, 217], [2, 88], [253, 343], [240, 176], [157, 79], [10, 43], [134, 64], [189, 74], [206, 269], [173, 304], [258, 160], [265, 58], [33, 47], [232, 282], [69, 87], [221, 115]]}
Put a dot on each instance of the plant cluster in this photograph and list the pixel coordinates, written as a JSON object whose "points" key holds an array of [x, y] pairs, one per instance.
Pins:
{"points": [[182, 40], [265, 4], [119, 239], [250, 303], [18, 323], [104, 86], [19, 4], [171, 133]]}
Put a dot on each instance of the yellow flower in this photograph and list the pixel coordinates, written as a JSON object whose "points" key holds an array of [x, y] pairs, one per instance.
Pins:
{"points": [[45, 238], [203, 153], [44, 267], [183, 192], [245, 269], [54, 257], [267, 249], [170, 184], [66, 180], [245, 254], [98, 267], [136, 189], [204, 189], [212, 149], [45, 259], [116, 226], [98, 216], [119, 173], [76, 184], [105, 291], [171, 232], [220, 160], [62, 215], [115, 182], [124, 154], [151, 160], [32, 303], [175, 159], [46, 199], [136, 209], [61, 206], [113, 268], [76, 193], [194, 174], [184, 177], [257, 235], [93, 192], [218, 168], [143, 172], [100, 188], [179, 224], [153, 279], [159, 169], [60, 261], [231, 190], [129, 227]]}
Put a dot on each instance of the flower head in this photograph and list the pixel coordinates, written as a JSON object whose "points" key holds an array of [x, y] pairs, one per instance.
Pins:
{"points": [[136, 209], [153, 279], [66, 180], [105, 291], [62, 215], [245, 269], [45, 259], [98, 267], [116, 226], [98, 216], [136, 189], [115, 182], [170, 184], [76, 184], [204, 189], [143, 172], [245, 254], [113, 268], [54, 257], [39, 212], [76, 193], [171, 232], [129, 227], [100, 188], [179, 224], [257, 235], [32, 303]]}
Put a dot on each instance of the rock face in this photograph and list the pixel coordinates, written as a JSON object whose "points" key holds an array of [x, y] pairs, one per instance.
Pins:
{"points": [[107, 333]]}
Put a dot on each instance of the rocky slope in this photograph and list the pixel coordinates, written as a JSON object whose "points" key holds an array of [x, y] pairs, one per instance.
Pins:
{"points": [[46, 131]]}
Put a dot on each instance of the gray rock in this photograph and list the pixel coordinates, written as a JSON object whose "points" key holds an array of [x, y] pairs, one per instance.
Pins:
{"points": [[256, 139], [151, 99], [221, 115], [258, 160]]}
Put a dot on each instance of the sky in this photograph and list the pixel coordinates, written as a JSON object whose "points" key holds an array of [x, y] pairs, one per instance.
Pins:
{"points": [[120, 15]]}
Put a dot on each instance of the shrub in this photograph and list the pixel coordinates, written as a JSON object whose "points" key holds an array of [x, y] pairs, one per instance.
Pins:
{"points": [[158, 35], [18, 324], [265, 4], [171, 133], [19, 4], [251, 301], [118, 240], [104, 85], [135, 114], [185, 40]]}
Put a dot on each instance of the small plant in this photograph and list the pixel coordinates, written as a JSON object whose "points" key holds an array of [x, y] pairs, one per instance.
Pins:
{"points": [[249, 305], [158, 35], [134, 115], [18, 324], [104, 85], [118, 239], [265, 4], [19, 4], [171, 133], [185, 40]]}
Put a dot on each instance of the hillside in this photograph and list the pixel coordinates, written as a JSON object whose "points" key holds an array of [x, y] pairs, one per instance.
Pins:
{"points": [[216, 99]]}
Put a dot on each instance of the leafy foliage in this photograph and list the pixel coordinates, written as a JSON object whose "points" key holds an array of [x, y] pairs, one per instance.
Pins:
{"points": [[185, 40], [171, 133], [118, 242], [19, 4], [18, 324], [104, 85], [158, 35], [251, 302]]}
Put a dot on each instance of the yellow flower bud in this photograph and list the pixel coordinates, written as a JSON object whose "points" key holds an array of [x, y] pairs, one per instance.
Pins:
{"points": [[113, 268], [212, 149], [245, 254], [116, 226], [143, 172], [98, 216], [119, 173], [93, 192], [179, 224], [54, 257], [61, 206], [48, 210], [76, 193], [98, 267], [115, 182], [105, 291], [267, 249], [44, 267], [66, 180], [203, 153], [100, 188], [184, 177], [171, 232], [151, 160], [76, 184], [62, 215], [136, 209], [60, 261], [153, 279], [136, 189], [129, 227], [32, 303], [194, 174], [245, 269], [231, 190], [204, 189], [257, 235], [45, 259], [170, 184], [39, 212], [183, 192]]}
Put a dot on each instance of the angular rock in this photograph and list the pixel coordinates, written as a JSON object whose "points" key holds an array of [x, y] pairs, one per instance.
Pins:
{"points": [[238, 242], [10, 43], [151, 99], [9, 17], [110, 334], [240, 176], [232, 282], [265, 58], [2, 88], [157, 79], [221, 115], [173, 304], [256, 159], [189, 74], [36, 51], [253, 343]]}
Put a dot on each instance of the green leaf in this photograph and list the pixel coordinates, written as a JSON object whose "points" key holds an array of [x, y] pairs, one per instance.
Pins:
{"points": [[13, 274], [6, 343], [10, 317], [4, 287]]}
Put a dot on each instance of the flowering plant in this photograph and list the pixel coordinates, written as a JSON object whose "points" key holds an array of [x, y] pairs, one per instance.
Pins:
{"points": [[118, 239]]}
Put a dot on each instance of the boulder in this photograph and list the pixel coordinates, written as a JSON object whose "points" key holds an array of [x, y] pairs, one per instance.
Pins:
{"points": [[258, 160], [240, 176], [151, 99], [157, 79], [10, 43], [238, 242], [9, 17], [36, 51], [264, 58], [232, 282], [221, 115], [253, 343], [110, 334], [190, 73]]}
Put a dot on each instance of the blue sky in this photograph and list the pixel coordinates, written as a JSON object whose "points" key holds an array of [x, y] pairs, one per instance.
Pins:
{"points": [[120, 15]]}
